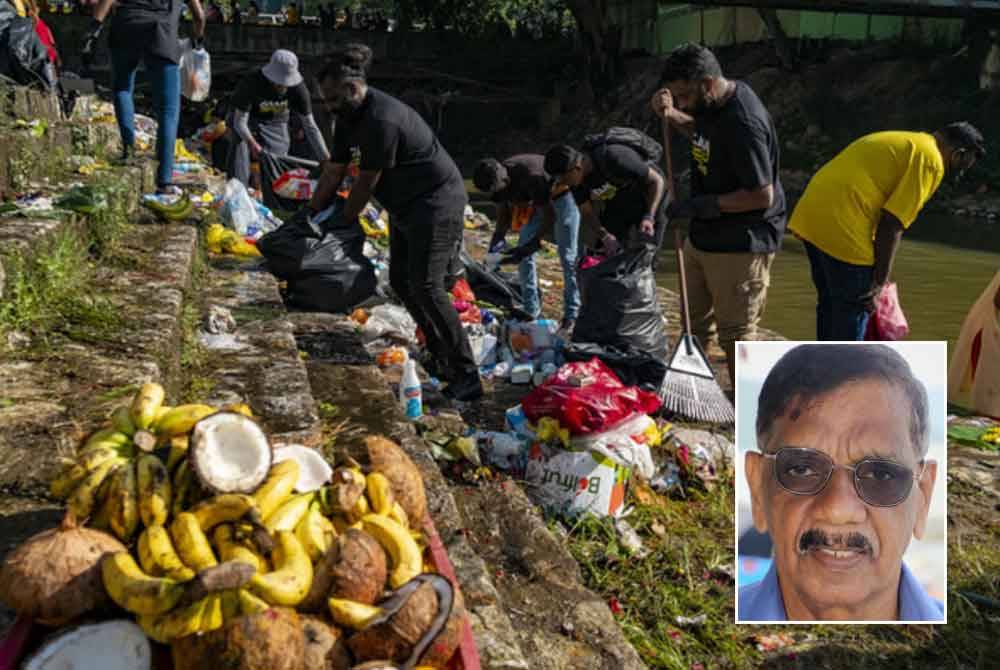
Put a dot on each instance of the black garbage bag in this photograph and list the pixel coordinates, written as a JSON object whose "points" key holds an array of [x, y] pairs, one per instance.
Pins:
{"points": [[620, 308], [497, 288], [352, 283], [288, 249], [23, 57], [271, 168], [634, 368]]}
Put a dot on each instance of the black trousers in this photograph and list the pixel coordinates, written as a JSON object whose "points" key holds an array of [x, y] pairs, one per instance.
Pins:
{"points": [[423, 251]]}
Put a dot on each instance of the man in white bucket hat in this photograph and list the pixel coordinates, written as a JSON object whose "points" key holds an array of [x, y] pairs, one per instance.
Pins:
{"points": [[262, 105]]}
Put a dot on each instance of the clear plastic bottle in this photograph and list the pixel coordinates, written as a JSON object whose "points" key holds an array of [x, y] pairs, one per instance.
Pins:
{"points": [[410, 392]]}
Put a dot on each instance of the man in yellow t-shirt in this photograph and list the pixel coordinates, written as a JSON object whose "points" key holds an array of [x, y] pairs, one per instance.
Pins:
{"points": [[855, 209]]}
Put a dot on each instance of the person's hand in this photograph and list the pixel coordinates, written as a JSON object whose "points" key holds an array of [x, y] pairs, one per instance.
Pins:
{"points": [[647, 227], [518, 254], [610, 244], [698, 207], [662, 103], [90, 39], [198, 42], [255, 150], [868, 299]]}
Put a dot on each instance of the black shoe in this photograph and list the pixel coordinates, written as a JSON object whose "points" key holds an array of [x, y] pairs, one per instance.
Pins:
{"points": [[467, 389]]}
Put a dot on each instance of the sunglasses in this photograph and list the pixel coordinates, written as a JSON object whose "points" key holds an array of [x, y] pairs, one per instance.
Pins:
{"points": [[878, 482]]}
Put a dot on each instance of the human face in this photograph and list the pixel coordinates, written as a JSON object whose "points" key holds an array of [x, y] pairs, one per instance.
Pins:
{"points": [[341, 97], [838, 557], [690, 97], [573, 177], [960, 161]]}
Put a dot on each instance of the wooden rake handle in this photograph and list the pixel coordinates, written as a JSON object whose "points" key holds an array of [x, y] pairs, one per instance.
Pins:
{"points": [[672, 194]]}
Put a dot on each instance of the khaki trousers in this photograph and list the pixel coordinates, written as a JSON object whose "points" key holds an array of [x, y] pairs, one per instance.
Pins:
{"points": [[726, 295]]}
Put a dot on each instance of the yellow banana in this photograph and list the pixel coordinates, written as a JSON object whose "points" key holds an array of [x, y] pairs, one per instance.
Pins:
{"points": [[399, 544], [191, 543], [351, 614], [136, 591], [110, 434], [230, 604], [82, 500], [239, 408], [123, 497], [181, 419], [145, 403], [183, 480], [222, 508], [158, 556], [160, 411], [231, 550], [212, 617], [67, 480], [121, 420], [398, 514], [181, 622], [288, 516], [154, 490], [277, 487], [289, 583], [178, 451], [251, 604], [380, 493], [359, 511], [315, 533], [92, 457]]}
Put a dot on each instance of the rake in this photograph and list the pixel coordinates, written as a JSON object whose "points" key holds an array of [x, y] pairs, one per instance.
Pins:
{"points": [[689, 387]]}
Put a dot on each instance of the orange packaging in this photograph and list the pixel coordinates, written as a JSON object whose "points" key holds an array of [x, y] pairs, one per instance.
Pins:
{"points": [[360, 316]]}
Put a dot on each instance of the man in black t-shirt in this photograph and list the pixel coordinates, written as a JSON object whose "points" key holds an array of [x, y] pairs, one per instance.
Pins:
{"points": [[518, 184], [404, 166], [737, 205], [262, 104]]}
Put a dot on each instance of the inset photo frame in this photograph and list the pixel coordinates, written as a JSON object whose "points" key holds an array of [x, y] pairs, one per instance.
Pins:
{"points": [[841, 483]]}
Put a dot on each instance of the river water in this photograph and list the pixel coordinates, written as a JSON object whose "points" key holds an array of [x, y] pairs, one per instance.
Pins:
{"points": [[938, 281]]}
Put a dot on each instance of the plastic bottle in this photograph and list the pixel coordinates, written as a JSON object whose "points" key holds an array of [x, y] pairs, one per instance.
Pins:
{"points": [[410, 393]]}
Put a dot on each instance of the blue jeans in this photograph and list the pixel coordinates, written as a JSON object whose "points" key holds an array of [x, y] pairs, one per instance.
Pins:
{"points": [[165, 78], [567, 232], [840, 291]]}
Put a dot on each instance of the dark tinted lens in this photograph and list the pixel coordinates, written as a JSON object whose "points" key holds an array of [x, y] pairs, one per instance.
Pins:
{"points": [[802, 471], [883, 483]]}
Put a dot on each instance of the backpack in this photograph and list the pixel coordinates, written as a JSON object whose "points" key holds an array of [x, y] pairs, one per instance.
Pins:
{"points": [[648, 149]]}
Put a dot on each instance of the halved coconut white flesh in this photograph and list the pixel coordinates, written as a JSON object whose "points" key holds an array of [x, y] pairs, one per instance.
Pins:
{"points": [[112, 645], [229, 453], [314, 471]]}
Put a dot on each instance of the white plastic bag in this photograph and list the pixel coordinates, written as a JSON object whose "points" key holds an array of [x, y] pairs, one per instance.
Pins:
{"points": [[389, 321], [624, 444], [976, 384], [238, 210], [196, 72]]}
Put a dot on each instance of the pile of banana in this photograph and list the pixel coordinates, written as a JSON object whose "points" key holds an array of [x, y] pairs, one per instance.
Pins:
{"points": [[199, 558], [181, 210]]}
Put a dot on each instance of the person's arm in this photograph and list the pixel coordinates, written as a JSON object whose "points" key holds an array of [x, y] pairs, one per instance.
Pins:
{"points": [[326, 189], [197, 19], [361, 193], [505, 216], [887, 236], [314, 137], [662, 103], [101, 10], [655, 187], [242, 128]]}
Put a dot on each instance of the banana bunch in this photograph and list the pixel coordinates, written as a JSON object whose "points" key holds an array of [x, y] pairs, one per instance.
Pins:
{"points": [[181, 210]]}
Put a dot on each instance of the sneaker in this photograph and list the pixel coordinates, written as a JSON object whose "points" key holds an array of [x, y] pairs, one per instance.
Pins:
{"points": [[467, 389]]}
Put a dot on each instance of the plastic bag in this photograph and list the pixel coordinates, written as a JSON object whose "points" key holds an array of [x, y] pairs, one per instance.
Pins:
{"points": [[348, 284], [633, 368], [974, 372], [494, 287], [389, 321], [196, 72], [620, 305], [294, 184], [587, 397], [23, 57], [238, 210], [625, 444], [887, 322]]}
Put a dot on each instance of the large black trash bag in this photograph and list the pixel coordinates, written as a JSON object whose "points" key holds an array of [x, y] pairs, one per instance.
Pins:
{"points": [[634, 368], [496, 288], [351, 284], [23, 57], [620, 308], [288, 248]]}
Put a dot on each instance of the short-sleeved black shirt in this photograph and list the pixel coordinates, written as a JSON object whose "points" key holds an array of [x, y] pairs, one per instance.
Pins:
{"points": [[622, 165], [147, 27], [393, 138], [257, 95], [528, 181], [735, 148]]}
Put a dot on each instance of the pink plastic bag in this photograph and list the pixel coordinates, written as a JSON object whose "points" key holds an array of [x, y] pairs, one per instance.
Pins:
{"points": [[887, 322], [587, 398]]}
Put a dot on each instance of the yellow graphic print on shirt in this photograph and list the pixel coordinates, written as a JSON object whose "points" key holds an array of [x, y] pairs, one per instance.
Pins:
{"points": [[273, 107], [701, 151]]}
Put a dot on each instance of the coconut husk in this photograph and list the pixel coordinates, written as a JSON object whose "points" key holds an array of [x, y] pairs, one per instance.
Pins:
{"points": [[353, 568], [269, 640], [55, 576], [387, 457], [325, 648], [395, 639]]}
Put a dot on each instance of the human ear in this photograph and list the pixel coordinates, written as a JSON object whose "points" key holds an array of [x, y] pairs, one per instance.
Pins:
{"points": [[925, 485], [756, 472]]}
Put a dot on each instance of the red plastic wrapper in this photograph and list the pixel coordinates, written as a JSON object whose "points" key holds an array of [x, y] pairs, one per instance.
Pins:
{"points": [[462, 291], [587, 397]]}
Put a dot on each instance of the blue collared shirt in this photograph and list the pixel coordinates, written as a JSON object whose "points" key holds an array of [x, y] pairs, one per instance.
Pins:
{"points": [[762, 600]]}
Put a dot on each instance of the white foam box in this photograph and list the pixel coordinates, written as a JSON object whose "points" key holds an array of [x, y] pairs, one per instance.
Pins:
{"points": [[574, 482], [521, 373]]}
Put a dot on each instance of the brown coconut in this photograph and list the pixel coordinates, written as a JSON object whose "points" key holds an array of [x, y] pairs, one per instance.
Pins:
{"points": [[325, 646], [387, 457], [55, 576], [269, 640], [353, 568], [395, 639]]}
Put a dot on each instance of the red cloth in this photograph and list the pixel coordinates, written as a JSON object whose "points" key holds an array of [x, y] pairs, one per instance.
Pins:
{"points": [[45, 35]]}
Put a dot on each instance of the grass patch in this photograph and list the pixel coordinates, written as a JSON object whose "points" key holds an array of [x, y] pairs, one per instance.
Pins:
{"points": [[195, 367], [118, 392]]}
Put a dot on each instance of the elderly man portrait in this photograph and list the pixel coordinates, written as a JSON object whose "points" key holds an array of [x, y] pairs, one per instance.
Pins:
{"points": [[842, 483]]}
